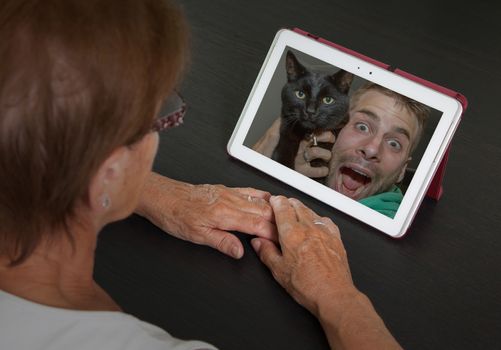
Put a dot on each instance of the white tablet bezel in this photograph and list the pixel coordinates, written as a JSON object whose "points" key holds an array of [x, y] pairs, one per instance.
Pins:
{"points": [[430, 160]]}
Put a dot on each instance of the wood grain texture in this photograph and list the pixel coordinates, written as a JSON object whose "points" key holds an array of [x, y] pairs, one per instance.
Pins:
{"points": [[437, 288]]}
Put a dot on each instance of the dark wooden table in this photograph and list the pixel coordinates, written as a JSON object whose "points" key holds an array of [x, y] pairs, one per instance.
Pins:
{"points": [[437, 288]]}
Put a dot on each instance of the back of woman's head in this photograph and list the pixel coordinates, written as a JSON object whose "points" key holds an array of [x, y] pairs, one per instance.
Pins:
{"points": [[78, 78]]}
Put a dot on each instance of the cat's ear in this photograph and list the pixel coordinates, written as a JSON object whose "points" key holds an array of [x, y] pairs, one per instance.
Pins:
{"points": [[342, 79], [294, 69]]}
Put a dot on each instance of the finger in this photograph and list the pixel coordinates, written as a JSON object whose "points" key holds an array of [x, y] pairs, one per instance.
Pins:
{"points": [[303, 213], [249, 191], [330, 226], [302, 146], [326, 136], [252, 201], [225, 242], [319, 153], [310, 218], [269, 254], [285, 215], [257, 206], [245, 222]]}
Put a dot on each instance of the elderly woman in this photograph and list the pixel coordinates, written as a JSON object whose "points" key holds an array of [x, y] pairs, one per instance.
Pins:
{"points": [[81, 86]]}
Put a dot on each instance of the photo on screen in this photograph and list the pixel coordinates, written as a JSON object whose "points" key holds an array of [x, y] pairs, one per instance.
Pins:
{"points": [[375, 138]]}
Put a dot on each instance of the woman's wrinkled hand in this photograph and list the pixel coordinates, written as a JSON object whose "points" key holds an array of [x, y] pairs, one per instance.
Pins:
{"points": [[204, 214], [310, 262]]}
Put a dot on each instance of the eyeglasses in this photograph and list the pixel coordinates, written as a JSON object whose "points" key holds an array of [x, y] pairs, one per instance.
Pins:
{"points": [[171, 113]]}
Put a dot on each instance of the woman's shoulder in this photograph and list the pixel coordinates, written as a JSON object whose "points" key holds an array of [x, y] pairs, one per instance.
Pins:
{"points": [[28, 325]]}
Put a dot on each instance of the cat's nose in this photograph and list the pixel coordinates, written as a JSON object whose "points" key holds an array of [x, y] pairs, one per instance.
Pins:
{"points": [[308, 116], [310, 110]]}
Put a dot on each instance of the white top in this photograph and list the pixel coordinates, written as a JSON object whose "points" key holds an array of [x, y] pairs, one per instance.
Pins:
{"points": [[28, 325]]}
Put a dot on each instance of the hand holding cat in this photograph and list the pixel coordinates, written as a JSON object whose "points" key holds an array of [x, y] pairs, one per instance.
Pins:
{"points": [[307, 152], [203, 214]]}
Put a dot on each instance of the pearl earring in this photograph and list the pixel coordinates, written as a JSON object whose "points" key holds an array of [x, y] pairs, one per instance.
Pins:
{"points": [[106, 202]]}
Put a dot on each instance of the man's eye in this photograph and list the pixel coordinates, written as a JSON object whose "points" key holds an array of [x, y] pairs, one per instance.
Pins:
{"points": [[395, 145], [362, 127], [328, 100], [299, 94]]}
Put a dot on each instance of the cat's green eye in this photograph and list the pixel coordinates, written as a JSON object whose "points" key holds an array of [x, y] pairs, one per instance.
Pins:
{"points": [[299, 94], [328, 100]]}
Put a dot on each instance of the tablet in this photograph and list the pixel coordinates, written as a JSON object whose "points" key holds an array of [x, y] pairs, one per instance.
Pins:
{"points": [[359, 135]]}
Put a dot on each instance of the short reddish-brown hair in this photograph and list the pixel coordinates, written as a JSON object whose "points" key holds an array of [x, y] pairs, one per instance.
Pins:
{"points": [[78, 78]]}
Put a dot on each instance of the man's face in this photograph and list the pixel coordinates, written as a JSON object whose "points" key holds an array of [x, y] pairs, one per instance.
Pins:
{"points": [[372, 150]]}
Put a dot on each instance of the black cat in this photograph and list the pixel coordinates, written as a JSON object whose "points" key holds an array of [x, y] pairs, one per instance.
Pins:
{"points": [[311, 102]]}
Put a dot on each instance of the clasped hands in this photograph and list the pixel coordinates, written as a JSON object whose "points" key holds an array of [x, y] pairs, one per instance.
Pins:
{"points": [[300, 247]]}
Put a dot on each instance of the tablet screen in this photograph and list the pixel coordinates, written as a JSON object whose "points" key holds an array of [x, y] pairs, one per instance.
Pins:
{"points": [[351, 134]]}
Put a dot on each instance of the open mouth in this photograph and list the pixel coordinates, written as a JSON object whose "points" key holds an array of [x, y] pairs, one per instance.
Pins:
{"points": [[353, 180]]}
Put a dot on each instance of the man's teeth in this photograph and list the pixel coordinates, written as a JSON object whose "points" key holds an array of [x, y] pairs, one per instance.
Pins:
{"points": [[359, 172]]}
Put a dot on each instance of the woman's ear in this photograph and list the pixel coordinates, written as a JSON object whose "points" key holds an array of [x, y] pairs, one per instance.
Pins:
{"points": [[108, 180]]}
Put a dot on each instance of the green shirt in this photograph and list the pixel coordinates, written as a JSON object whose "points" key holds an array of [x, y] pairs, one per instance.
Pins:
{"points": [[386, 203]]}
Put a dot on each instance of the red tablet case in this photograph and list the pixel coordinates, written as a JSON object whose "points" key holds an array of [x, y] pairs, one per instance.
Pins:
{"points": [[435, 189]]}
